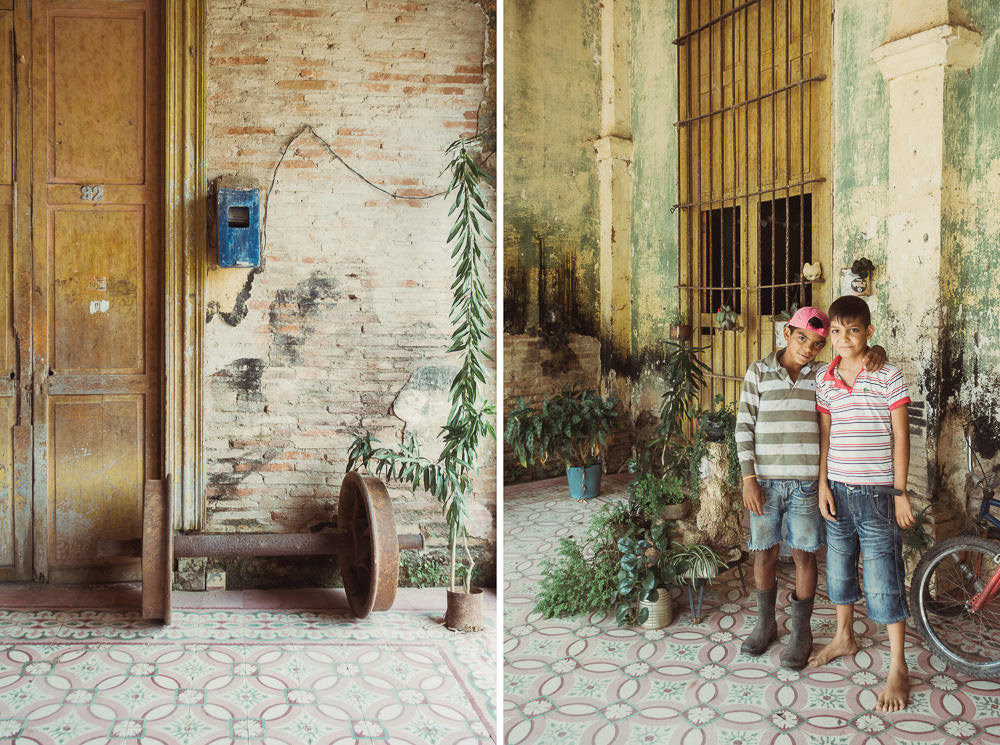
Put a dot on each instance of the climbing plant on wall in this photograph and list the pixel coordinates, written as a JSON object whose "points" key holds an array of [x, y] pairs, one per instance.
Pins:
{"points": [[449, 477]]}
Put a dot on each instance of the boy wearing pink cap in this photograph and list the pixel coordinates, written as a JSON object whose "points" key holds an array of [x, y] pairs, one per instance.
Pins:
{"points": [[778, 446]]}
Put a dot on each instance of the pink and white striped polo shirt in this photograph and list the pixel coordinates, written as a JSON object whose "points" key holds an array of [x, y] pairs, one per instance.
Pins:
{"points": [[860, 422]]}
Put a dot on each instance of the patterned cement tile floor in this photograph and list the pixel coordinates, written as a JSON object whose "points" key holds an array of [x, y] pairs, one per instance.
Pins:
{"points": [[585, 680], [240, 673]]}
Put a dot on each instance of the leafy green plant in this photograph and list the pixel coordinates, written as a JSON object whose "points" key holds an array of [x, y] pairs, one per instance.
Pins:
{"points": [[917, 538], [786, 315], [651, 492], [695, 561], [683, 374], [470, 421], [643, 568], [582, 576], [719, 424], [574, 425], [727, 318], [677, 318]]}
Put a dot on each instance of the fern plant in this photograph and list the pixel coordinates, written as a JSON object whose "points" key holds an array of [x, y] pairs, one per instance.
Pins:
{"points": [[470, 420]]}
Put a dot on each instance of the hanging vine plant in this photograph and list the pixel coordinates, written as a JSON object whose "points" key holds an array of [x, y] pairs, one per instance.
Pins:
{"points": [[449, 477]]}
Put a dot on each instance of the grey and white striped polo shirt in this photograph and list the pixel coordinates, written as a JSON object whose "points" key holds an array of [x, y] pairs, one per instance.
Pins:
{"points": [[777, 427]]}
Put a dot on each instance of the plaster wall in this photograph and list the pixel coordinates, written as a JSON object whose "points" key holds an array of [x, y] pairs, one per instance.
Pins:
{"points": [[655, 258], [345, 324], [970, 290], [552, 119]]}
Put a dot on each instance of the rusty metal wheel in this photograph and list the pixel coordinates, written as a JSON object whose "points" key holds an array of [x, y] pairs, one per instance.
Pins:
{"points": [[371, 569]]}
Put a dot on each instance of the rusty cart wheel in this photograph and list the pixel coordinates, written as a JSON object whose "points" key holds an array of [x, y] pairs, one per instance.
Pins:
{"points": [[370, 570]]}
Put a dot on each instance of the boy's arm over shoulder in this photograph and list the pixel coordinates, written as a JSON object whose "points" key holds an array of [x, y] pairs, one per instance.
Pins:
{"points": [[822, 401], [746, 419], [896, 391]]}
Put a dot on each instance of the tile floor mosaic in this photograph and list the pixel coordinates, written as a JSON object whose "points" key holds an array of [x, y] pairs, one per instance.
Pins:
{"points": [[585, 680], [234, 675]]}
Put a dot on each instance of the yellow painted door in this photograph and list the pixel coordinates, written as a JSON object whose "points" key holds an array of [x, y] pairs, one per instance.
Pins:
{"points": [[96, 250], [15, 319]]}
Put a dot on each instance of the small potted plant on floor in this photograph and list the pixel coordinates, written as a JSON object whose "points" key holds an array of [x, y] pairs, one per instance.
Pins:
{"points": [[695, 565], [574, 426], [645, 576]]}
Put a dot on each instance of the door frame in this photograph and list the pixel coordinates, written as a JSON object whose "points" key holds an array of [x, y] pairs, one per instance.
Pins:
{"points": [[185, 239]]}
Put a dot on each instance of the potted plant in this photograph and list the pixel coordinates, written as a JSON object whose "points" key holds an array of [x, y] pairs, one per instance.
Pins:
{"points": [[574, 426], [449, 478], [727, 318], [780, 321], [680, 329], [645, 576], [695, 565], [717, 421], [660, 497]]}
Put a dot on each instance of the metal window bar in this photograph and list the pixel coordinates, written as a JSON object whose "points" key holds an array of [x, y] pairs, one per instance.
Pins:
{"points": [[723, 239]]}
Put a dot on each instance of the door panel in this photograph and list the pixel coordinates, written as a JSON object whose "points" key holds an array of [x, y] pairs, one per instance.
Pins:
{"points": [[96, 465], [96, 76], [96, 251], [96, 313]]}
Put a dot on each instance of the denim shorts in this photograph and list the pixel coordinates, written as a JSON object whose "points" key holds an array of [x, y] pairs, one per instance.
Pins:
{"points": [[797, 502], [866, 521]]}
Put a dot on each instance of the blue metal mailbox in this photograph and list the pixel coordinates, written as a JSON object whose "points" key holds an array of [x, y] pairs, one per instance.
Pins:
{"points": [[239, 227]]}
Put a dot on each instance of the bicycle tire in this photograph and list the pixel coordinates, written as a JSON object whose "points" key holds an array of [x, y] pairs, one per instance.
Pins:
{"points": [[948, 575]]}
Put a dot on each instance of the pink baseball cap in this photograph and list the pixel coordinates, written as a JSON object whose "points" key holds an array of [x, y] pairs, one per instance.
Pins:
{"points": [[812, 319]]}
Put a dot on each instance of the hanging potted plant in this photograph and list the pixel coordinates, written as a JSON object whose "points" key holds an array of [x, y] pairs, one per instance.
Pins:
{"points": [[574, 426], [449, 478], [680, 329]]}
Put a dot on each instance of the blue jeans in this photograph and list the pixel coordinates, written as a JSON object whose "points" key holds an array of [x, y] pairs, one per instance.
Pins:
{"points": [[866, 521], [797, 502]]}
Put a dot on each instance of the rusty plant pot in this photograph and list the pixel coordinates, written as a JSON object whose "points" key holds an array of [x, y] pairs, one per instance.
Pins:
{"points": [[465, 610], [680, 332], [675, 511]]}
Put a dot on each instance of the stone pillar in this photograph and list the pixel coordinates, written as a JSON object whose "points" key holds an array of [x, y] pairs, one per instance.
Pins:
{"points": [[614, 159], [915, 63]]}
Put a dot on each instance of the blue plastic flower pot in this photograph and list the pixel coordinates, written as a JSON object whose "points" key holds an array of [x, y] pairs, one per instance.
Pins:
{"points": [[584, 483]]}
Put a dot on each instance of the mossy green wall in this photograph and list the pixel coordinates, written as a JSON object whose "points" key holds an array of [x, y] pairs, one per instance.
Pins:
{"points": [[552, 89], [654, 184], [969, 266], [860, 138]]}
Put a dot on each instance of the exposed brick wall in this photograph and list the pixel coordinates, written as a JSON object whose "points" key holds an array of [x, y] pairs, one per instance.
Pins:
{"points": [[347, 321]]}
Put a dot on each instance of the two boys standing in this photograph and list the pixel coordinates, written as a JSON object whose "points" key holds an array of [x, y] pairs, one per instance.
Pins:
{"points": [[827, 445]]}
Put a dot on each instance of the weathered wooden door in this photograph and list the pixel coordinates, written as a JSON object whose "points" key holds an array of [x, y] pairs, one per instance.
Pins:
{"points": [[96, 253]]}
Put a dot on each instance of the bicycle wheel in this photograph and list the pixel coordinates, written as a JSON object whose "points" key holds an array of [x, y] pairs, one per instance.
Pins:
{"points": [[944, 583]]}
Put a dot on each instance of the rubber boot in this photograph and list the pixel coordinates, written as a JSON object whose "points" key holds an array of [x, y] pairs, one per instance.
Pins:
{"points": [[800, 643], [766, 631]]}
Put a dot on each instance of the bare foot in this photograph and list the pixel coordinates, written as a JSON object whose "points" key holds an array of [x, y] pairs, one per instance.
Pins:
{"points": [[897, 690], [839, 647]]}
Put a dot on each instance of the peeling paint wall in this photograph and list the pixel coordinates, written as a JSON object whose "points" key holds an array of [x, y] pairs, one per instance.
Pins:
{"points": [[552, 92], [860, 147], [345, 324], [655, 259], [970, 355]]}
